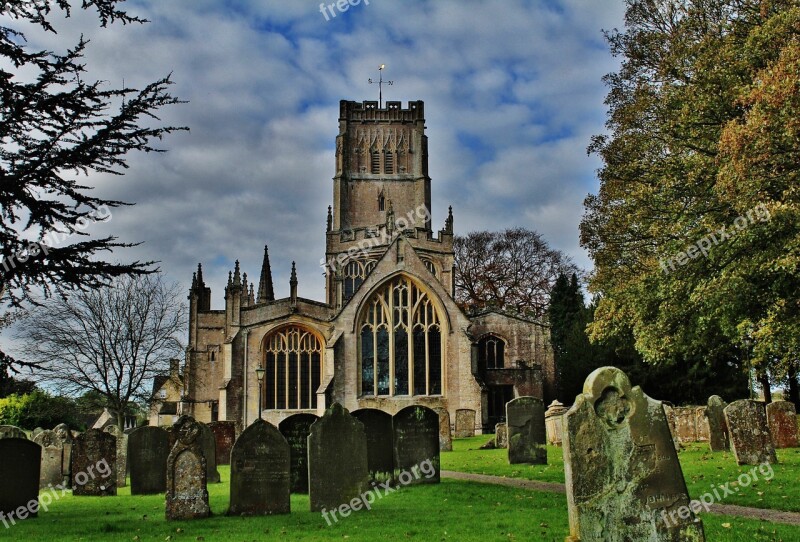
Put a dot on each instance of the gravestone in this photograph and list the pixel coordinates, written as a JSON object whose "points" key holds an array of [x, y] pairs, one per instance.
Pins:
{"points": [[36, 432], [686, 424], [749, 432], [55, 462], [94, 463], [148, 450], [209, 444], [122, 453], [187, 491], [380, 452], [337, 460], [20, 460], [12, 431], [51, 473], [224, 436], [501, 436], [782, 419], [527, 441], [66, 437], [701, 422], [416, 441], [465, 423], [669, 412], [445, 433], [295, 429], [717, 427], [623, 479], [553, 422], [260, 482]]}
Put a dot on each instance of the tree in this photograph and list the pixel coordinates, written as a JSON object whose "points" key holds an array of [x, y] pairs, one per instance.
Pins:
{"points": [[111, 341], [39, 409], [694, 230], [57, 125], [512, 270]]}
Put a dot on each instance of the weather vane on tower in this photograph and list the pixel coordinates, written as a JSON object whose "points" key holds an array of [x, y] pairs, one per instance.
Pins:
{"points": [[380, 83]]}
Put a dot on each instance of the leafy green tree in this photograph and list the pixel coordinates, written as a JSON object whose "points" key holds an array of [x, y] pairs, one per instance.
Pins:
{"points": [[39, 409], [57, 126], [694, 232]]}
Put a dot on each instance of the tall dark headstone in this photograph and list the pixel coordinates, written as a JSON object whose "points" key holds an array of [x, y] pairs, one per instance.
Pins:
{"points": [[337, 460], [782, 419], [12, 431], [527, 437], [623, 479], [260, 472], [209, 444], [295, 430], [445, 432], [416, 442], [380, 452], [94, 464], [465, 423], [20, 460], [751, 441], [717, 426], [148, 450], [224, 436], [187, 490]]}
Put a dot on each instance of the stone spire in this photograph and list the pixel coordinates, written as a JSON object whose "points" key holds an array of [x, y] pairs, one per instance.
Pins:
{"points": [[237, 277], [293, 285], [200, 283], [251, 296], [448, 223], [330, 218], [245, 298], [265, 291]]}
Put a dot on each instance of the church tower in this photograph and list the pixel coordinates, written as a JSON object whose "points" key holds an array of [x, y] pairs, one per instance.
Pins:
{"points": [[381, 191]]}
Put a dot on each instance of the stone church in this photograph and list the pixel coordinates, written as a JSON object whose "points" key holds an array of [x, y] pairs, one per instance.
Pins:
{"points": [[388, 333]]}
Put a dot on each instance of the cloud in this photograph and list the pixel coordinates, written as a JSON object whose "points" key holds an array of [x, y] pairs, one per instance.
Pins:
{"points": [[512, 92]]}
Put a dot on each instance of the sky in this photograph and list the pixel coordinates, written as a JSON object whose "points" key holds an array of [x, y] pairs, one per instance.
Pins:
{"points": [[513, 93]]}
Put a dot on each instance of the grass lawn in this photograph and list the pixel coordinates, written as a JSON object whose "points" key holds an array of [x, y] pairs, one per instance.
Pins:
{"points": [[701, 468], [452, 510]]}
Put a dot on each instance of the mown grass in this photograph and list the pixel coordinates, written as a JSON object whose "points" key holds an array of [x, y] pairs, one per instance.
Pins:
{"points": [[702, 470]]}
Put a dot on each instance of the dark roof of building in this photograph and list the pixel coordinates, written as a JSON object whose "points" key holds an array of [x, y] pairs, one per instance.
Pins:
{"points": [[158, 381]]}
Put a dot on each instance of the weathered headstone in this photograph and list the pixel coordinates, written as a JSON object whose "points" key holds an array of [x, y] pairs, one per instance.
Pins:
{"points": [[224, 436], [260, 472], [782, 419], [527, 441], [465, 423], [623, 479], [36, 432], [52, 468], [669, 412], [209, 444], [122, 453], [553, 422], [94, 463], [380, 452], [187, 491], [501, 435], [337, 460], [749, 432], [686, 424], [701, 422], [295, 430], [12, 431], [445, 432], [148, 450], [20, 460], [717, 427], [416, 442], [66, 437]]}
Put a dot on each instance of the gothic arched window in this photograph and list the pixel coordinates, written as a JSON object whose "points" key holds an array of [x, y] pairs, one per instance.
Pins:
{"points": [[354, 274], [401, 342], [491, 352], [293, 363], [430, 267]]}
